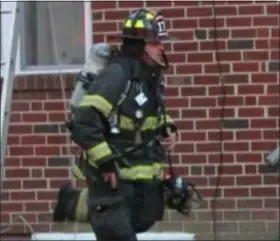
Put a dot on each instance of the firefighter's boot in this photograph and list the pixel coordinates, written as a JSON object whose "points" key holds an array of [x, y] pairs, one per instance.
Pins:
{"points": [[66, 204]]}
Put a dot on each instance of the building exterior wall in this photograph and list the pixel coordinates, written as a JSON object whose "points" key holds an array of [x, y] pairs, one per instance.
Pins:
{"points": [[37, 161]]}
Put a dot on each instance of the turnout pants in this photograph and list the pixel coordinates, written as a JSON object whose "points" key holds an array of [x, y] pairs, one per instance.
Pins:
{"points": [[117, 215]]}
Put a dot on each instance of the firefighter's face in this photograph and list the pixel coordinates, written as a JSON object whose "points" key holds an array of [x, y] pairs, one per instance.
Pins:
{"points": [[155, 52]]}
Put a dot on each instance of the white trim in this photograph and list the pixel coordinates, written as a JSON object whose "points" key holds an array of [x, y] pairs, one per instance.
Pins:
{"points": [[91, 236], [40, 70]]}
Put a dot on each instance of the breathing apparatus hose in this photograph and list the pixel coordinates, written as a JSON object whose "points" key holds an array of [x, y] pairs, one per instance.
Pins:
{"points": [[222, 115]]}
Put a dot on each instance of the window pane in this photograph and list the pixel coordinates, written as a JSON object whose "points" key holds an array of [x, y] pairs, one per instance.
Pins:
{"points": [[54, 33]]}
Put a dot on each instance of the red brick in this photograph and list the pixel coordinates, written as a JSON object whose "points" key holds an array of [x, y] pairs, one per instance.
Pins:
{"points": [[56, 139], [264, 215], [33, 140], [225, 181], [36, 206], [199, 12], [130, 4], [200, 57], [263, 123], [57, 183], [214, 68], [250, 203], [33, 161], [34, 117], [203, 102], [47, 195], [47, 150], [210, 45], [173, 12], [248, 180], [207, 147], [251, 112], [20, 129], [56, 173], [269, 100], [262, 145], [54, 106], [272, 202], [13, 140], [116, 15], [245, 67], [216, 135], [12, 161], [207, 124], [263, 192], [11, 184], [12, 207], [23, 195], [250, 10], [20, 106], [103, 5], [266, 21], [243, 33], [34, 183], [189, 69], [239, 22], [236, 192], [248, 158], [105, 27], [255, 55], [250, 169], [193, 158], [184, 147], [194, 113], [186, 3], [152, 3], [193, 136], [184, 23], [217, 113], [193, 91], [271, 180], [17, 173], [226, 10], [210, 23], [264, 78], [21, 151]]}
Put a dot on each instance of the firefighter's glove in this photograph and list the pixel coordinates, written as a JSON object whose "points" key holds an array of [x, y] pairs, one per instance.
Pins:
{"points": [[109, 173], [180, 195]]}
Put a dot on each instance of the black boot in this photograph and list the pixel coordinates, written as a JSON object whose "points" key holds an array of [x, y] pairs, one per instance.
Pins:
{"points": [[66, 201]]}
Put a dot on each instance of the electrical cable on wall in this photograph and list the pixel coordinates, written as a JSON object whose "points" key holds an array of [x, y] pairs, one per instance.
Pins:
{"points": [[222, 116]]}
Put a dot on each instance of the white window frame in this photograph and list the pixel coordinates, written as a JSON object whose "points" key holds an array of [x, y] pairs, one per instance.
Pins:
{"points": [[40, 70]]}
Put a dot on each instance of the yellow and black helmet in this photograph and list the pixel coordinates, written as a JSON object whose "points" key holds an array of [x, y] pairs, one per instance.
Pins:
{"points": [[145, 24]]}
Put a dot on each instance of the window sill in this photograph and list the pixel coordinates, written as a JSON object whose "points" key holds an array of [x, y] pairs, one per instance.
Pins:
{"points": [[49, 70]]}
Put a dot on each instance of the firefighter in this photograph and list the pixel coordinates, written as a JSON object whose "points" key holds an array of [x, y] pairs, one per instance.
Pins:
{"points": [[125, 194]]}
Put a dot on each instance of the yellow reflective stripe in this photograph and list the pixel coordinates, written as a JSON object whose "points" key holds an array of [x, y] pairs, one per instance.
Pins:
{"points": [[142, 172], [98, 152], [126, 123], [139, 24], [149, 123], [98, 102], [168, 119], [128, 23], [81, 212], [150, 16], [78, 173]]}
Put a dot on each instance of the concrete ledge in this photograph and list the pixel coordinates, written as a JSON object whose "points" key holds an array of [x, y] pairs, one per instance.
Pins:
{"points": [[90, 236]]}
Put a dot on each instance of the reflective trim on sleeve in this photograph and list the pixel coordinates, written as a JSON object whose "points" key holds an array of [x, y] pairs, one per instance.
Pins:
{"points": [[168, 119], [98, 152], [98, 102], [126, 123]]}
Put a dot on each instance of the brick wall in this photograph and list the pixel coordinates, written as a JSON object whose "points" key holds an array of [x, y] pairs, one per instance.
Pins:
{"points": [[37, 160]]}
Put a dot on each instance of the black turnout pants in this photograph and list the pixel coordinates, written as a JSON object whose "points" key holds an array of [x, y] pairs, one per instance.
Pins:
{"points": [[117, 215]]}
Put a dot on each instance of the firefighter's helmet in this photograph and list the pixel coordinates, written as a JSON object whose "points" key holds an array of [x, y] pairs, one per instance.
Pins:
{"points": [[146, 25]]}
